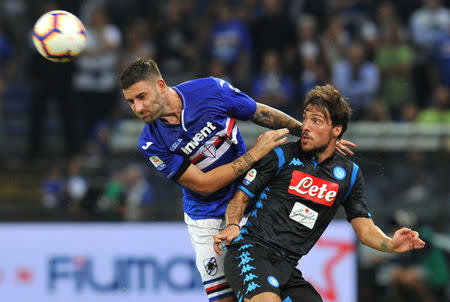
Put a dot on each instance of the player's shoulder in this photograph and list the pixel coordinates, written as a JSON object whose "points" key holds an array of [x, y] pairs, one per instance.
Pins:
{"points": [[286, 151], [344, 162], [148, 141], [339, 158], [290, 147], [200, 83]]}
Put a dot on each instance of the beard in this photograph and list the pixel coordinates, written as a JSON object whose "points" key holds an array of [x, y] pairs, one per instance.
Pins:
{"points": [[316, 150], [156, 114]]}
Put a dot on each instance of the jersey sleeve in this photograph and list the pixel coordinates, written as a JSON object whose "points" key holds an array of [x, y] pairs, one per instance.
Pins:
{"points": [[355, 203], [236, 102], [168, 163], [262, 172]]}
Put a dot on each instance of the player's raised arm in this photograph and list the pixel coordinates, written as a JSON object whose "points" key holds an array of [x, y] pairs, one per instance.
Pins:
{"points": [[233, 215], [272, 118], [369, 234], [207, 183]]}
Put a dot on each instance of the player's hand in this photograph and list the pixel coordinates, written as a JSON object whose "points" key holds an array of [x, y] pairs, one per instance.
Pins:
{"points": [[405, 240], [268, 141], [342, 146], [225, 237]]}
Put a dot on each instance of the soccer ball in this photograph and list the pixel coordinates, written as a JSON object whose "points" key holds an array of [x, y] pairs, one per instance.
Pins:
{"points": [[59, 36]]}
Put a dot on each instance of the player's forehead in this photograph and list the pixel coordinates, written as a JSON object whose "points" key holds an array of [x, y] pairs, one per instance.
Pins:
{"points": [[316, 110], [137, 88]]}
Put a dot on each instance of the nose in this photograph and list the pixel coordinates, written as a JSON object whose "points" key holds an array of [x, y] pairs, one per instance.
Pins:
{"points": [[138, 107], [306, 125]]}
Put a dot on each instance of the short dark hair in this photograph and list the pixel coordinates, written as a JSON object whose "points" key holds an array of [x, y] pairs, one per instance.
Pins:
{"points": [[329, 99], [139, 70]]}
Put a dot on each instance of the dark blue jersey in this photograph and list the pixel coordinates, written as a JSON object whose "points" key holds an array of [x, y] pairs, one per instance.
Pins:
{"points": [[207, 137], [298, 197]]}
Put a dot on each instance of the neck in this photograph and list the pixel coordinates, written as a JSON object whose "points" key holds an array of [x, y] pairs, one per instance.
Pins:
{"points": [[329, 150], [174, 105]]}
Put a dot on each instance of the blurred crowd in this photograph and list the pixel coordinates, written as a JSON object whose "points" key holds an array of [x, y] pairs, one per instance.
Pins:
{"points": [[391, 59]]}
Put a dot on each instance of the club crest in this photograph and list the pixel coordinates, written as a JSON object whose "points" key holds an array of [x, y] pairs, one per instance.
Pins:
{"points": [[339, 173], [210, 265], [209, 150]]}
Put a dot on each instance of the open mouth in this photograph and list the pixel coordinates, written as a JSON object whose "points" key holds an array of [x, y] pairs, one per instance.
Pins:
{"points": [[305, 138]]}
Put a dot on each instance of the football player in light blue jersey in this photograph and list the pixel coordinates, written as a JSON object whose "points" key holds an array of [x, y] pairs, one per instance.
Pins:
{"points": [[192, 138]]}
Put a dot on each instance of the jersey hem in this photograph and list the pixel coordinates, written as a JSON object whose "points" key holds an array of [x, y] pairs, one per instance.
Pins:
{"points": [[198, 217]]}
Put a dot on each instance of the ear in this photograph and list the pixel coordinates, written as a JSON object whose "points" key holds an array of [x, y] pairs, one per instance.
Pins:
{"points": [[161, 85], [337, 130]]}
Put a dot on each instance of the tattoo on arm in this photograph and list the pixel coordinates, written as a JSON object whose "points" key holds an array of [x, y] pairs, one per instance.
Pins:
{"points": [[384, 246], [274, 119], [243, 163], [235, 209]]}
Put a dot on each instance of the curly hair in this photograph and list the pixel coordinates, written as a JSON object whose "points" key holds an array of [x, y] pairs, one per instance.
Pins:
{"points": [[328, 100]]}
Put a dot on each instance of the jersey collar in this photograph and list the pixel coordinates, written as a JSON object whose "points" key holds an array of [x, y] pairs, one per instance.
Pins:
{"points": [[183, 100]]}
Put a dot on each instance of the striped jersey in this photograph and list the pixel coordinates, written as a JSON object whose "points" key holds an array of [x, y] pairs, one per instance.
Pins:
{"points": [[207, 137]]}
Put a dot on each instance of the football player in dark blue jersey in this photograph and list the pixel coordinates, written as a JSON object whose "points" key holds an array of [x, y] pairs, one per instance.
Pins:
{"points": [[192, 138], [299, 187]]}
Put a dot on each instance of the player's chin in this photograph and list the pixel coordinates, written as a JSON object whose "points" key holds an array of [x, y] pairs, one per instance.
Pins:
{"points": [[307, 146], [148, 119]]}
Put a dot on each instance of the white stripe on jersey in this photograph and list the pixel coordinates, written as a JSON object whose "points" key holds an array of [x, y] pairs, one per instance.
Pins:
{"points": [[219, 152], [222, 149], [234, 134], [208, 142]]}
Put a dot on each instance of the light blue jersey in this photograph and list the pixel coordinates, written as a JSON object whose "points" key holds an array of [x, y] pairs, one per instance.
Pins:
{"points": [[207, 137]]}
